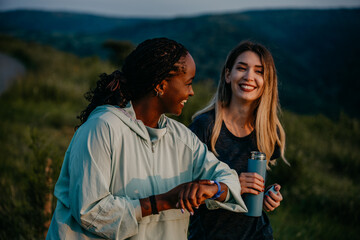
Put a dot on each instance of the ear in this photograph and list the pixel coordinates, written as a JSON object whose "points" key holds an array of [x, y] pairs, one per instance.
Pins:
{"points": [[227, 75], [161, 87]]}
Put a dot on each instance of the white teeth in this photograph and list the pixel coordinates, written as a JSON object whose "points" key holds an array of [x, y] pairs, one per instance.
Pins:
{"points": [[247, 87], [184, 101]]}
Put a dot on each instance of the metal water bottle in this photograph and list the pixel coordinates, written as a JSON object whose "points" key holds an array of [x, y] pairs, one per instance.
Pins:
{"points": [[254, 203]]}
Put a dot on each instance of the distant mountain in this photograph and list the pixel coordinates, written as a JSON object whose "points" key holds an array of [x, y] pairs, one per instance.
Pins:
{"points": [[316, 51], [61, 22]]}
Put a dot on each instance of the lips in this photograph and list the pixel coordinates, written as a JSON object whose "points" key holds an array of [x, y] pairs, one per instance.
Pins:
{"points": [[247, 87]]}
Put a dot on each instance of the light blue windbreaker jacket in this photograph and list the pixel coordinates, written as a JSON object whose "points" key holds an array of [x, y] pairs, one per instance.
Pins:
{"points": [[114, 160]]}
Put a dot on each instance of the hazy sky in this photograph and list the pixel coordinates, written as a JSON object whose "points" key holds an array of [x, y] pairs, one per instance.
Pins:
{"points": [[168, 8]]}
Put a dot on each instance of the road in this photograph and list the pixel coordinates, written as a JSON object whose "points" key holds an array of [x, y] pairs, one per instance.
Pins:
{"points": [[10, 69]]}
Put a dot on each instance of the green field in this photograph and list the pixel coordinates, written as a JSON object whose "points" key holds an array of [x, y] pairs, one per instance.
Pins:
{"points": [[38, 114]]}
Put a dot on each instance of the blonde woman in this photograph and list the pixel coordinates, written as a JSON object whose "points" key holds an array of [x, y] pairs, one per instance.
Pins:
{"points": [[242, 117]]}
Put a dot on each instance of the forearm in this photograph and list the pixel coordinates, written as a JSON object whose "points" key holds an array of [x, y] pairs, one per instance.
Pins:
{"points": [[167, 201], [111, 218]]}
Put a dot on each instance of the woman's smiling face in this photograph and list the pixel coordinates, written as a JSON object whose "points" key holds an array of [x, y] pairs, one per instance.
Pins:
{"points": [[178, 89], [246, 77]]}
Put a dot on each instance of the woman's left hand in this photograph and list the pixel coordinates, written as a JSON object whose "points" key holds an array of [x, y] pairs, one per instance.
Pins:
{"points": [[273, 200]]}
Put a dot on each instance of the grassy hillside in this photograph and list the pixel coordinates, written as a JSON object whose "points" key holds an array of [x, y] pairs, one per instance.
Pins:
{"points": [[39, 111], [38, 115]]}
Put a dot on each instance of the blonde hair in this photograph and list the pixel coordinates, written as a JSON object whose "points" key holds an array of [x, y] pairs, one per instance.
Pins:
{"points": [[269, 130]]}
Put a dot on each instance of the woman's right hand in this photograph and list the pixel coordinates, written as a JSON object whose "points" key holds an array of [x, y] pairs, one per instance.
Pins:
{"points": [[251, 183], [191, 195]]}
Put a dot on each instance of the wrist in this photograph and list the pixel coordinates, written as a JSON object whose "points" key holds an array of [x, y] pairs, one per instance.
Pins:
{"points": [[153, 204], [219, 191], [162, 203]]}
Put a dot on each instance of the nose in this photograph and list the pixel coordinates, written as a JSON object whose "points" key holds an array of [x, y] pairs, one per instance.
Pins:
{"points": [[191, 91], [249, 75]]}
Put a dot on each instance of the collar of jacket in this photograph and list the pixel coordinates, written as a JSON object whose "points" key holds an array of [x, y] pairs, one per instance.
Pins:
{"points": [[127, 116]]}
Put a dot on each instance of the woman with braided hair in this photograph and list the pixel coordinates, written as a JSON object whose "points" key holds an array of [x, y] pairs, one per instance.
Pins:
{"points": [[130, 171]]}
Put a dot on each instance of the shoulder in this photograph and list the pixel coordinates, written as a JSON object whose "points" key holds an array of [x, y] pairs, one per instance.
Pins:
{"points": [[101, 121], [177, 128], [203, 125], [181, 133], [203, 120], [104, 113]]}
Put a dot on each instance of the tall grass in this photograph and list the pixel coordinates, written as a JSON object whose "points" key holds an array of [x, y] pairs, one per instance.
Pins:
{"points": [[38, 114], [320, 188]]}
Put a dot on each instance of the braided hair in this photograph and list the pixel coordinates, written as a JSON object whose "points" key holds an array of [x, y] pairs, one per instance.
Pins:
{"points": [[144, 68]]}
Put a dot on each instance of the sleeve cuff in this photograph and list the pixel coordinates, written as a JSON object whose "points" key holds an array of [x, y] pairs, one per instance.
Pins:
{"points": [[227, 195]]}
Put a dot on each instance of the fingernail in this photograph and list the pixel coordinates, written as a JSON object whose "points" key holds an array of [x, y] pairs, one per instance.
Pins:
{"points": [[212, 182], [191, 213], [177, 205], [182, 210], [197, 207]]}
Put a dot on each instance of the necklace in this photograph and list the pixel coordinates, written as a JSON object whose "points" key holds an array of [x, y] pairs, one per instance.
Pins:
{"points": [[238, 130]]}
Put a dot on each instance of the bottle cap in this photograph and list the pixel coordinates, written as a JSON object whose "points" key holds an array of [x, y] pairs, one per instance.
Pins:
{"points": [[256, 155]]}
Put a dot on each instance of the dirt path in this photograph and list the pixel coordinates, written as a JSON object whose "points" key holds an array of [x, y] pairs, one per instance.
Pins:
{"points": [[10, 69]]}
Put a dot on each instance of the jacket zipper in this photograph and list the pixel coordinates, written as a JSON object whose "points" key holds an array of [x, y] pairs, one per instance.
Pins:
{"points": [[154, 164]]}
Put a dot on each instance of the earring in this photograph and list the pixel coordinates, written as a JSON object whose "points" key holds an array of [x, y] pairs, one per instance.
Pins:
{"points": [[159, 94]]}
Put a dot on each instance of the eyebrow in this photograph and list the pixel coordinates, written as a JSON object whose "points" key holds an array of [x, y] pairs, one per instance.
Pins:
{"points": [[260, 66]]}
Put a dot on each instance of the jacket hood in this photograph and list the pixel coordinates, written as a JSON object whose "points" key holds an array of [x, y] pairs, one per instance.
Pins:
{"points": [[128, 117]]}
